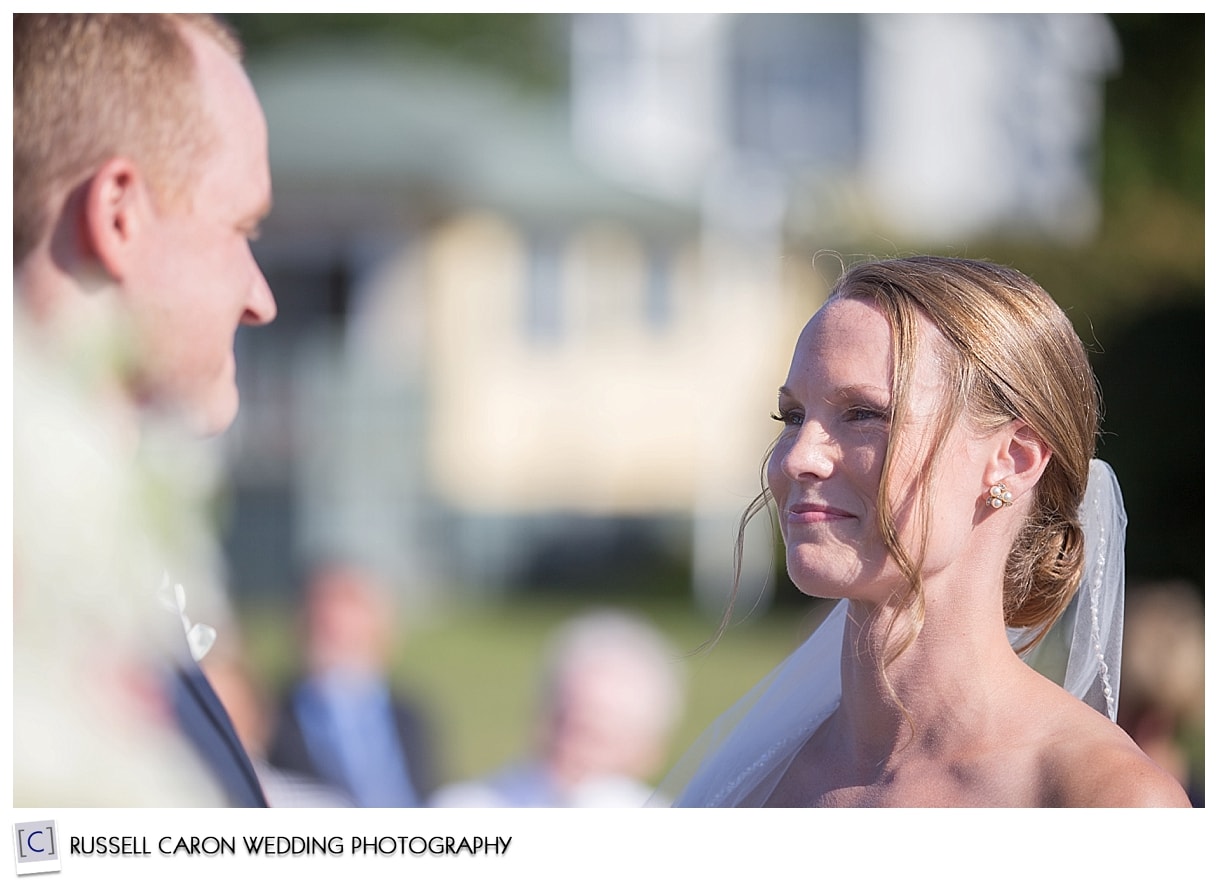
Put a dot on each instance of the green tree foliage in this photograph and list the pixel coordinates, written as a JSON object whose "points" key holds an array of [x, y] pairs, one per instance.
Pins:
{"points": [[1136, 292], [525, 48], [1155, 110]]}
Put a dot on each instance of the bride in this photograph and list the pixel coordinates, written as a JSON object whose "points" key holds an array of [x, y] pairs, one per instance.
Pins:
{"points": [[938, 426]]}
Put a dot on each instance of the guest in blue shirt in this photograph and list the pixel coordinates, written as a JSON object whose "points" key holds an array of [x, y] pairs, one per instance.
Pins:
{"points": [[342, 720]]}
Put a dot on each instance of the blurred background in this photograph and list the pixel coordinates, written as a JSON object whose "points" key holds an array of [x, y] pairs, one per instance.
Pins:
{"points": [[539, 277]]}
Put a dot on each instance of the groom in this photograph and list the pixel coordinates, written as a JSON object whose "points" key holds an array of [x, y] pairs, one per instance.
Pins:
{"points": [[140, 174]]}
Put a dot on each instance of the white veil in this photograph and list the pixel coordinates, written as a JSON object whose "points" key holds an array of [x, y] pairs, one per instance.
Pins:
{"points": [[737, 761], [1086, 641]]}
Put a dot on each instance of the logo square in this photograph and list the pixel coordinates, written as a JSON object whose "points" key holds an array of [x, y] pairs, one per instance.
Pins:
{"points": [[36, 847]]}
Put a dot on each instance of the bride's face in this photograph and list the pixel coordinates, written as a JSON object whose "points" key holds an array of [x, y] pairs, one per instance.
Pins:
{"points": [[836, 408]]}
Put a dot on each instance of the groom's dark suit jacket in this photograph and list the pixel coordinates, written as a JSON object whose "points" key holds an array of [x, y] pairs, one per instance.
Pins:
{"points": [[206, 723]]}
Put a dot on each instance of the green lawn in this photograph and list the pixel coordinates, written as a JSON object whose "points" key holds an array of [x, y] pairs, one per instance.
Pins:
{"points": [[475, 668]]}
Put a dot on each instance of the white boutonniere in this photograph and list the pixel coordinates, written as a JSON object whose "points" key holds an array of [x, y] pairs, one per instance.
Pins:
{"points": [[199, 637]]}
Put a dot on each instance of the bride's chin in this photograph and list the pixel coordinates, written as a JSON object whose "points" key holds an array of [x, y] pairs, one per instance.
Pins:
{"points": [[818, 586], [836, 571], [847, 580]]}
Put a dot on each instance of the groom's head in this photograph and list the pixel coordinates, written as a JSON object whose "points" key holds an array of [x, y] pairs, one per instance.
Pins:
{"points": [[140, 175]]}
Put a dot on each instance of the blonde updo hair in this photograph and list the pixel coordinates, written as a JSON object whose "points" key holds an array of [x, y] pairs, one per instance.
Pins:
{"points": [[1010, 353]]}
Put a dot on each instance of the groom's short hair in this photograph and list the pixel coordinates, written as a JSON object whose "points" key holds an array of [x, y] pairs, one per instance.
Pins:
{"points": [[90, 87]]}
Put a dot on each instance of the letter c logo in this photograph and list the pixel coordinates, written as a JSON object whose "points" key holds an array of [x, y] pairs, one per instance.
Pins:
{"points": [[29, 841]]}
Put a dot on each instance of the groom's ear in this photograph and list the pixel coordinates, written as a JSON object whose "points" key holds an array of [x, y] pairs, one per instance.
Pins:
{"points": [[116, 206]]}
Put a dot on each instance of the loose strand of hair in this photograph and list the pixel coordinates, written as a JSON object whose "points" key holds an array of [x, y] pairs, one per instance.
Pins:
{"points": [[759, 503]]}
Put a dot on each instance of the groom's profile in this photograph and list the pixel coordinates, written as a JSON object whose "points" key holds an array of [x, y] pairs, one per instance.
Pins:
{"points": [[140, 175]]}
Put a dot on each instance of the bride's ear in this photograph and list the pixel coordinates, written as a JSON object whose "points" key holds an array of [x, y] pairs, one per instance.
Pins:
{"points": [[1018, 459]]}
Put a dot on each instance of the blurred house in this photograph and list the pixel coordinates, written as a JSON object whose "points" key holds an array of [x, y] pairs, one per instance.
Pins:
{"points": [[521, 336]]}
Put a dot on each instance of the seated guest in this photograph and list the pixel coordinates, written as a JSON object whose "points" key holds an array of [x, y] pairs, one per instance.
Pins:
{"points": [[342, 720], [610, 697]]}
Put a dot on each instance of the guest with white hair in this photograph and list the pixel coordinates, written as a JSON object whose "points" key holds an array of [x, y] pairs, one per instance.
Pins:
{"points": [[611, 693]]}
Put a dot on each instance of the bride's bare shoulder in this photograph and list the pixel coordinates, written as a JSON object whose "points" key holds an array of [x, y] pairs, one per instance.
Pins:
{"points": [[1090, 762]]}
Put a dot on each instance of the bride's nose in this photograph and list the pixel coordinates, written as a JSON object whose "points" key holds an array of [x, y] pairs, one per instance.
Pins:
{"points": [[809, 454]]}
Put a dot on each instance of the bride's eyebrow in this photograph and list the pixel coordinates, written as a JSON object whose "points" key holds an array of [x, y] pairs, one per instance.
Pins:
{"points": [[860, 390], [866, 391]]}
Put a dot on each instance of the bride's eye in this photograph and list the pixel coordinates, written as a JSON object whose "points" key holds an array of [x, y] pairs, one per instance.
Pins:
{"points": [[866, 414], [788, 417]]}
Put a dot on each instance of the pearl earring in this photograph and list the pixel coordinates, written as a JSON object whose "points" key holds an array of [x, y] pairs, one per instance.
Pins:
{"points": [[999, 496]]}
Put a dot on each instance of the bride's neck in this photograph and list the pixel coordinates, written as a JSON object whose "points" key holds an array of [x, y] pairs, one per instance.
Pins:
{"points": [[935, 689]]}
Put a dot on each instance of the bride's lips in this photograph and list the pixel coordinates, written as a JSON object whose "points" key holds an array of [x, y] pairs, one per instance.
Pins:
{"points": [[815, 513]]}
